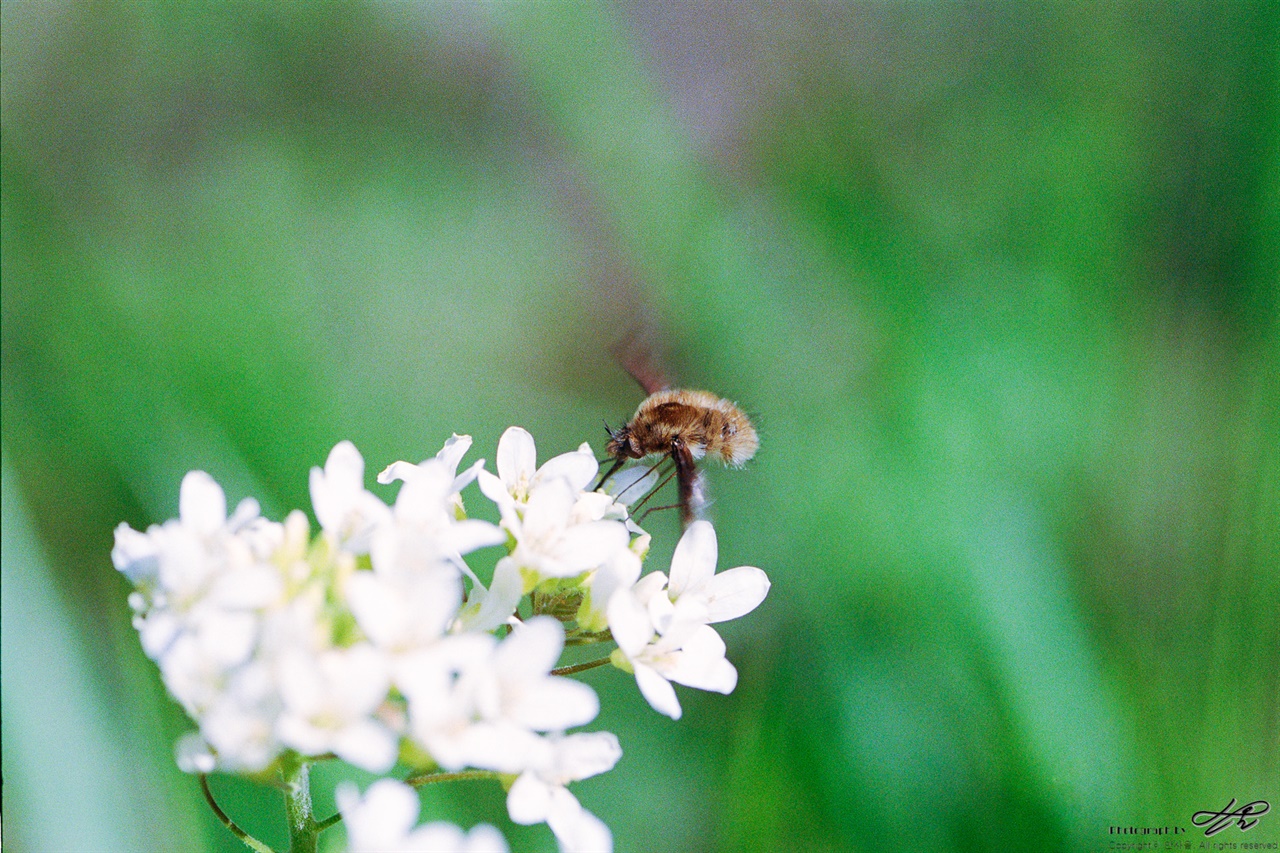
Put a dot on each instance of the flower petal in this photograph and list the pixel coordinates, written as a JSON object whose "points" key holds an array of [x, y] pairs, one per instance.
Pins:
{"points": [[657, 691], [501, 746], [701, 663], [629, 623], [379, 819], [453, 451], [694, 560], [202, 505], [549, 506], [578, 467], [472, 534], [631, 484], [555, 705], [495, 490], [586, 546], [587, 754], [534, 648], [135, 554], [465, 479], [368, 745], [517, 457], [735, 593], [529, 800], [576, 829], [489, 608], [396, 471]]}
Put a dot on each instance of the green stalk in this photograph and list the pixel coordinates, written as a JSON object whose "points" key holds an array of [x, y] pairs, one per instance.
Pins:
{"points": [[581, 667], [250, 842], [304, 831]]}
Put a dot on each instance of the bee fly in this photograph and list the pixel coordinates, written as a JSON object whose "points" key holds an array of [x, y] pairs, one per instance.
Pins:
{"points": [[684, 425]]}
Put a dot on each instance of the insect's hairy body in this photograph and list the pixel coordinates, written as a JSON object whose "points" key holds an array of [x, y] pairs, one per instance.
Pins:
{"points": [[702, 422]]}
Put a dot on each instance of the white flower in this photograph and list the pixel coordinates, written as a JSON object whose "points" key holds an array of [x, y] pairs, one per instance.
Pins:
{"points": [[620, 573], [175, 563], [553, 540], [382, 821], [519, 477], [662, 627], [450, 456], [552, 543], [518, 473], [206, 584], [135, 555], [345, 509], [560, 529], [273, 642], [486, 609], [475, 702], [239, 728], [722, 596], [426, 529], [548, 511], [203, 648], [692, 655], [539, 793], [404, 612], [329, 702], [520, 688], [435, 680]]}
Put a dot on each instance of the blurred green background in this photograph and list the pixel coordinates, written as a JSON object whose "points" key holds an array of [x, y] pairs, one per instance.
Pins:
{"points": [[999, 282]]}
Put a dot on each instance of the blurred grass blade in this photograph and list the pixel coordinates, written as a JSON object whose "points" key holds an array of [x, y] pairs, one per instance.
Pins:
{"points": [[71, 782]]}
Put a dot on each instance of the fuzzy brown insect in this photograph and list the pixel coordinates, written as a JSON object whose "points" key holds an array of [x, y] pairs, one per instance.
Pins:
{"points": [[685, 425]]}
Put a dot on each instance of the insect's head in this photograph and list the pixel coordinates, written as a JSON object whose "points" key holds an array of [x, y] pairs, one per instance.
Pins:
{"points": [[622, 444]]}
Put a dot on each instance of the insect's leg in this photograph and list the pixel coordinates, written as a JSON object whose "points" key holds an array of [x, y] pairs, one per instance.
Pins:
{"points": [[654, 490], [686, 480], [617, 463]]}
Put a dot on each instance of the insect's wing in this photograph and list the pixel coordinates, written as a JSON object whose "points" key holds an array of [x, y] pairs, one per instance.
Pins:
{"points": [[692, 485], [698, 496], [636, 354]]}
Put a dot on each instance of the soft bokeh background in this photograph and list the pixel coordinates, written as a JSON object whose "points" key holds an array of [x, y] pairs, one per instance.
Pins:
{"points": [[998, 280]]}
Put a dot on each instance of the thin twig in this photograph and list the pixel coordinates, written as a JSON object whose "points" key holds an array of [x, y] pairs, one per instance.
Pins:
{"points": [[580, 667], [429, 778], [251, 842], [328, 822]]}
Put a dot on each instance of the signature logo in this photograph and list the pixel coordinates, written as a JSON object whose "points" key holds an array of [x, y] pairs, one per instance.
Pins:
{"points": [[1245, 816]]}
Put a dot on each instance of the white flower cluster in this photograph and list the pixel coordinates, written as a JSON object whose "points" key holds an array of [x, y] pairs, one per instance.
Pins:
{"points": [[382, 821], [375, 642]]}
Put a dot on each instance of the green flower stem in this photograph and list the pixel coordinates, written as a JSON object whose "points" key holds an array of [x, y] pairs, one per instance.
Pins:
{"points": [[419, 779], [328, 822], [250, 842], [304, 831], [580, 667]]}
